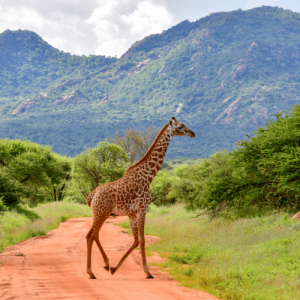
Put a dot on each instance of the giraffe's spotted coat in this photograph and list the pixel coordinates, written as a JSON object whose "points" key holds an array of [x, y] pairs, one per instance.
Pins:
{"points": [[130, 196]]}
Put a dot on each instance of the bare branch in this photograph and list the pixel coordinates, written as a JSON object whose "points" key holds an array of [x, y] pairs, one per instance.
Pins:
{"points": [[135, 142]]}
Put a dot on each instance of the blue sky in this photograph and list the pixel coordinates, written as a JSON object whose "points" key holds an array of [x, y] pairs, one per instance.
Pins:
{"points": [[110, 27]]}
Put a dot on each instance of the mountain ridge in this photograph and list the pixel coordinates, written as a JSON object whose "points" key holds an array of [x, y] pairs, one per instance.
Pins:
{"points": [[223, 75]]}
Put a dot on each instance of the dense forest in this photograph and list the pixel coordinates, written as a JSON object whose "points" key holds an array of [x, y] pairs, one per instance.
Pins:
{"points": [[223, 76]]}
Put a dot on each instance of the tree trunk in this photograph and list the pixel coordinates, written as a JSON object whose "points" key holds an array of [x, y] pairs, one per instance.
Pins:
{"points": [[54, 193], [60, 192]]}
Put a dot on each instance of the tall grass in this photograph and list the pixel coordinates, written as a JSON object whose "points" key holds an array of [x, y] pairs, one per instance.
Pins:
{"points": [[21, 223], [256, 258]]}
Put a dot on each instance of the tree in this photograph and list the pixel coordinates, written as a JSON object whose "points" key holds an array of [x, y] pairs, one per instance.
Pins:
{"points": [[2, 206], [30, 172], [160, 188], [59, 175], [105, 163], [261, 175], [9, 189], [135, 142]]}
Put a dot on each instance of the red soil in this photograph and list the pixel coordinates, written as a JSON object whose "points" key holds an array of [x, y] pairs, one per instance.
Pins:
{"points": [[54, 267]]}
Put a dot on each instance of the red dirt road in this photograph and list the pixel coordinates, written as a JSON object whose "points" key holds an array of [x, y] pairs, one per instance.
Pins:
{"points": [[54, 267]]}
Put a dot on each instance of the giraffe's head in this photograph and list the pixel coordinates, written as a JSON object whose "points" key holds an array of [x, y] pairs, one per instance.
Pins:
{"points": [[180, 129]]}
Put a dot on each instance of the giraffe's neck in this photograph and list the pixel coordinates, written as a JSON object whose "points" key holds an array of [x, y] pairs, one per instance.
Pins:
{"points": [[157, 156], [150, 164]]}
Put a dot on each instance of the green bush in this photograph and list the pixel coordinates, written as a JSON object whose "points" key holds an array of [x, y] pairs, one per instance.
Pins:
{"points": [[31, 173], [9, 189], [2, 206], [260, 175], [160, 188], [104, 163]]}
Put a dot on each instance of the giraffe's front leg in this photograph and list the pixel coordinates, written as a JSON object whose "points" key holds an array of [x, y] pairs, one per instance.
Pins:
{"points": [[141, 218]]}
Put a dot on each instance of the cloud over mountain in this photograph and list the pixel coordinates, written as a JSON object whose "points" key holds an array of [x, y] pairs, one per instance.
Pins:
{"points": [[95, 27], [110, 27]]}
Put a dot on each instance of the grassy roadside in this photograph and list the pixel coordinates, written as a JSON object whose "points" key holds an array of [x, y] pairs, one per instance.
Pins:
{"points": [[255, 258], [21, 224]]}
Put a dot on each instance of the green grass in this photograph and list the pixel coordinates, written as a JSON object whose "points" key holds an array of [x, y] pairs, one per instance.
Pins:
{"points": [[21, 223], [255, 258]]}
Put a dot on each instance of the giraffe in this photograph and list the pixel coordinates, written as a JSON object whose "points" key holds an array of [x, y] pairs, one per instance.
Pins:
{"points": [[130, 196]]}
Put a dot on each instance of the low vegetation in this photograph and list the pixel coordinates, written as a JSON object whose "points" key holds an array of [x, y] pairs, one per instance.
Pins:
{"points": [[19, 223], [247, 259]]}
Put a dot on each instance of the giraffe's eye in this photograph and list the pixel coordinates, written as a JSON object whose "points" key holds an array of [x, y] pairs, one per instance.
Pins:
{"points": [[180, 127]]}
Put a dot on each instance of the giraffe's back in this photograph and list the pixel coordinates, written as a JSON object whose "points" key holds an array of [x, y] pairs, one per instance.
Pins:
{"points": [[113, 197]]}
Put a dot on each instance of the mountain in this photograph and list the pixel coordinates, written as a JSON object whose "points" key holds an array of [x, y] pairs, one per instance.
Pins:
{"points": [[223, 76]]}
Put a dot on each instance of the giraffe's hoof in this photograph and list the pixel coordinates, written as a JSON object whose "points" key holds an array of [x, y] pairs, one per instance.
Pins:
{"points": [[93, 277], [112, 270], [149, 277], [106, 268]]}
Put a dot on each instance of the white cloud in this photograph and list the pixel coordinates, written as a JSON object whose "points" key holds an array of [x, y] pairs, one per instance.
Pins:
{"points": [[148, 18], [110, 27], [16, 17], [62, 31], [104, 27], [115, 28]]}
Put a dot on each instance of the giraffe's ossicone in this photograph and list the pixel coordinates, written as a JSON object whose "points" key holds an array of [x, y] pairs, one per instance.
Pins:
{"points": [[130, 196]]}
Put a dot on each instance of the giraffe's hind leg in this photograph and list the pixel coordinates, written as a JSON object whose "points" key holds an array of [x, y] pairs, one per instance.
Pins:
{"points": [[133, 225], [92, 235], [105, 258], [89, 240]]}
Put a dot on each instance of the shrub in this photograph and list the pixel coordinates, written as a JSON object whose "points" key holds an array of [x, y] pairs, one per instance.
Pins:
{"points": [[2, 206], [160, 188], [260, 175]]}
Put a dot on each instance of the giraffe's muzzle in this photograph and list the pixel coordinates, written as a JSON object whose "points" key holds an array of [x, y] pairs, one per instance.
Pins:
{"points": [[192, 133]]}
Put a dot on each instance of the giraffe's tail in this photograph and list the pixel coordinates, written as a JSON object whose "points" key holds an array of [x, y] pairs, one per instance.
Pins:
{"points": [[89, 199]]}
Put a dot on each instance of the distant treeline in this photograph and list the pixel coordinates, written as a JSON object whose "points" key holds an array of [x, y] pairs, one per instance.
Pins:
{"points": [[262, 173]]}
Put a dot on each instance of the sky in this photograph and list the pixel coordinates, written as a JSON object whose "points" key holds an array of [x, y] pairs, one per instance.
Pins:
{"points": [[111, 27]]}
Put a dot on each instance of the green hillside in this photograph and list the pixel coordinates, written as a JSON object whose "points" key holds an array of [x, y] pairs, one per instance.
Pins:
{"points": [[223, 76]]}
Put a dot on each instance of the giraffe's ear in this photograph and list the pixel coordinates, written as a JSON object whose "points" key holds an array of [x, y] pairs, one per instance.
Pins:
{"points": [[174, 120], [170, 122]]}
